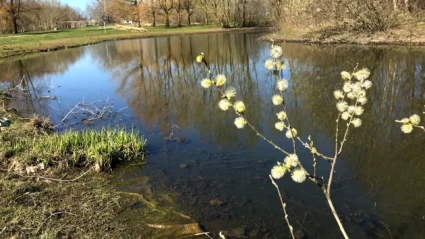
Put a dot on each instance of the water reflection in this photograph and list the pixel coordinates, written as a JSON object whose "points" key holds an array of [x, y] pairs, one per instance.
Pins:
{"points": [[378, 189]]}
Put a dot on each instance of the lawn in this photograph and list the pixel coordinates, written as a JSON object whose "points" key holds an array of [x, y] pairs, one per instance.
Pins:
{"points": [[33, 42]]}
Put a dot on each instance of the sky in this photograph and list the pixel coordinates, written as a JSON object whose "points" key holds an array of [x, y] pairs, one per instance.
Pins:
{"points": [[77, 3]]}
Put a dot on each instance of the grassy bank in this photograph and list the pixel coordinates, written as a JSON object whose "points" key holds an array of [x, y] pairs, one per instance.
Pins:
{"points": [[26, 43], [48, 184], [56, 186], [89, 148]]}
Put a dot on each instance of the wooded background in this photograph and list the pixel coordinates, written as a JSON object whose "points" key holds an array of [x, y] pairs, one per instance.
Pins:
{"points": [[368, 15]]}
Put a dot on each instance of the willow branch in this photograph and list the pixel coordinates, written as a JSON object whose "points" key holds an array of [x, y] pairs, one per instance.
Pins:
{"points": [[291, 229], [420, 127], [289, 125], [331, 205], [265, 139], [257, 132], [318, 154], [338, 152]]}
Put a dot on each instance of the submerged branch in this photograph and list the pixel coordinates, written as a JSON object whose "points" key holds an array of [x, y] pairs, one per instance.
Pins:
{"points": [[91, 109], [152, 205]]}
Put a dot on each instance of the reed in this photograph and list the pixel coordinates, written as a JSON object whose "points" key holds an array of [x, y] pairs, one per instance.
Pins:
{"points": [[101, 148]]}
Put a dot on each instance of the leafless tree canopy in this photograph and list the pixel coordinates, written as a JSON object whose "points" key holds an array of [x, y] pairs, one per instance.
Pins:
{"points": [[35, 15], [227, 13], [364, 15]]}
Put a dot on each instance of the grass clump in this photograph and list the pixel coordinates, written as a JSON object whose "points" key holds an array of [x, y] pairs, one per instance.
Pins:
{"points": [[103, 148], [4, 97]]}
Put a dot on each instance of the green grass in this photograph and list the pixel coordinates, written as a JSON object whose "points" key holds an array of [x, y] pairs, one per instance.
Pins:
{"points": [[102, 149], [33, 42]]}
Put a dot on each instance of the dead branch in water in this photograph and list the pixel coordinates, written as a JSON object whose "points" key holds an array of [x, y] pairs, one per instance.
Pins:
{"points": [[92, 111], [19, 86], [152, 205]]}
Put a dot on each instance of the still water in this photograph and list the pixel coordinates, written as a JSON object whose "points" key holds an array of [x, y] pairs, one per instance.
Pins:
{"points": [[196, 152]]}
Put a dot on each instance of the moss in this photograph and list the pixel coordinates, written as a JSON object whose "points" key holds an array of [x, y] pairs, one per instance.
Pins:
{"points": [[84, 208]]}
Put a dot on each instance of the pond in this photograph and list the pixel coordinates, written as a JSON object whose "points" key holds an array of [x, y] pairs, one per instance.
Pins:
{"points": [[217, 173]]}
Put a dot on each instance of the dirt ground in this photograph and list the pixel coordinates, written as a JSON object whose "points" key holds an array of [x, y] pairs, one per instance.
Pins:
{"points": [[412, 33]]}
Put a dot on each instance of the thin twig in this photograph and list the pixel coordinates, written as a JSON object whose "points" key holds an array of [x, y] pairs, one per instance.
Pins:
{"points": [[110, 204], [20, 84], [64, 118], [314, 165], [51, 215], [420, 127], [318, 154], [291, 229], [203, 233], [91, 109], [265, 139], [289, 126], [55, 179]]}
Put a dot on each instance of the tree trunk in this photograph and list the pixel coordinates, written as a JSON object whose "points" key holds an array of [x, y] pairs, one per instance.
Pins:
{"points": [[395, 5], [179, 14], [15, 24], [13, 16], [188, 19], [154, 18], [244, 14], [167, 19], [139, 24], [179, 19]]}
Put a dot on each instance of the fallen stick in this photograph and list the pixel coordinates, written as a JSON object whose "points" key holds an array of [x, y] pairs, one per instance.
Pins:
{"points": [[153, 206]]}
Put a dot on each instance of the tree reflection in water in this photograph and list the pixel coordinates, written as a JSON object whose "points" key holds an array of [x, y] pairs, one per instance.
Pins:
{"points": [[159, 81]]}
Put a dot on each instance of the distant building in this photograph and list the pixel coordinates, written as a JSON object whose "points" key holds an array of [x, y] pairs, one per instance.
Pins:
{"points": [[74, 24]]}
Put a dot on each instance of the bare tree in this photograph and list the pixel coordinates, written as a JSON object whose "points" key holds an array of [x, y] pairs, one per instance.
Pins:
{"points": [[135, 4], [153, 10], [13, 9], [166, 6], [178, 6], [189, 6]]}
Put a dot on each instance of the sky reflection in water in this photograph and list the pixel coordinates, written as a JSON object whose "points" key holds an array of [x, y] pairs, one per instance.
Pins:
{"points": [[154, 82]]}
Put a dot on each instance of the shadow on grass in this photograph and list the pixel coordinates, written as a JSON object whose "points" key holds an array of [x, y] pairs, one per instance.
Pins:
{"points": [[45, 33]]}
